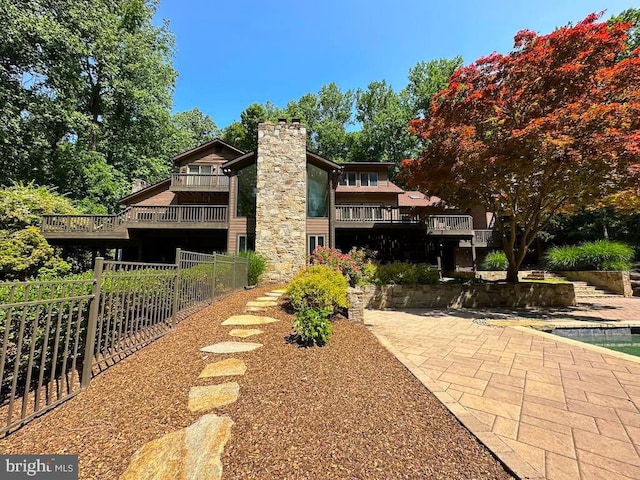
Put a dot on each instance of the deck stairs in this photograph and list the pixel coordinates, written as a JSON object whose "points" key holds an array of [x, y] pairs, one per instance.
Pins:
{"points": [[582, 289]]}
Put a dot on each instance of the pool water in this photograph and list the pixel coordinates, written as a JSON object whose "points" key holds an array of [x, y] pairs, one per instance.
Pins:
{"points": [[621, 339]]}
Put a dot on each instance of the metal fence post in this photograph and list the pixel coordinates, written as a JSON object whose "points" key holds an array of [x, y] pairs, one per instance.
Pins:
{"points": [[92, 324], [176, 288], [213, 279], [235, 263]]}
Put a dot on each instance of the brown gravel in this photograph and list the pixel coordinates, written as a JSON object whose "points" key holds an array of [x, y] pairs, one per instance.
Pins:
{"points": [[349, 410]]}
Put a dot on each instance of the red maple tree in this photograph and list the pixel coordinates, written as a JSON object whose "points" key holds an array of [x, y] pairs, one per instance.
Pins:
{"points": [[551, 126]]}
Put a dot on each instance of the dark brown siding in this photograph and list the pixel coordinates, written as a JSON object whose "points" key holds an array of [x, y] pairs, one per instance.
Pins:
{"points": [[366, 198], [165, 197], [208, 157]]}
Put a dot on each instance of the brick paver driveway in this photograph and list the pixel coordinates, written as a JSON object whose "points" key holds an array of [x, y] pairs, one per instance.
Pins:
{"points": [[546, 406]]}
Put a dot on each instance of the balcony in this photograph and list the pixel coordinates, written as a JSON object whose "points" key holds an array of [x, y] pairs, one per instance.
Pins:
{"points": [[450, 225], [192, 182], [482, 238], [366, 216], [117, 226]]}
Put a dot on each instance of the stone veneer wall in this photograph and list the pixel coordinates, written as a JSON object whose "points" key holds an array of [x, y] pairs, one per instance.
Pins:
{"points": [[521, 295], [281, 199], [614, 282]]}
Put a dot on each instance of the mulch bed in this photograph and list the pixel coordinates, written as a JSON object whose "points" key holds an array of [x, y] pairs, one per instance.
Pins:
{"points": [[348, 410]]}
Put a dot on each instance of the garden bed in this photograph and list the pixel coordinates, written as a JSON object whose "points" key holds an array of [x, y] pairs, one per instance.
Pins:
{"points": [[347, 410]]}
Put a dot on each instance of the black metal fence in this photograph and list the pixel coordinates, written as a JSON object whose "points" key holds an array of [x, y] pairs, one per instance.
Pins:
{"points": [[49, 328]]}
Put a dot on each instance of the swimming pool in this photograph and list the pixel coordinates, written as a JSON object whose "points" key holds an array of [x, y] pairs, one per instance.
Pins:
{"points": [[621, 339]]}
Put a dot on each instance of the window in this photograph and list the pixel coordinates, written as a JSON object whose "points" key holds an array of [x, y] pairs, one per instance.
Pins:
{"points": [[246, 192], [317, 192], [201, 169], [315, 241], [369, 179], [246, 242], [194, 170], [348, 178]]}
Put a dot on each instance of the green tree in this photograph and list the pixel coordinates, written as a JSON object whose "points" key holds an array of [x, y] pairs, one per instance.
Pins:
{"points": [[84, 81], [631, 16], [191, 128], [384, 116], [428, 78], [244, 134], [24, 252]]}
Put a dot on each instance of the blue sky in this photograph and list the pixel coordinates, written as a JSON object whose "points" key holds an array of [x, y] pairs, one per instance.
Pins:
{"points": [[234, 53]]}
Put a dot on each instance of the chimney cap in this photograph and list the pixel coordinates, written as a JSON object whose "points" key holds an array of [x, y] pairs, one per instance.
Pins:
{"points": [[282, 120], [295, 120]]}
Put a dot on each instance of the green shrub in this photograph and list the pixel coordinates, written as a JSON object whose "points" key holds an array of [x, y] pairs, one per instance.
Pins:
{"points": [[313, 327], [257, 266], [495, 261], [400, 273], [598, 255], [318, 287]]}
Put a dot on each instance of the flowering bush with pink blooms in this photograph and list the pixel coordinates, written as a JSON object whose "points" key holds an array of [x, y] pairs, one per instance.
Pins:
{"points": [[355, 265]]}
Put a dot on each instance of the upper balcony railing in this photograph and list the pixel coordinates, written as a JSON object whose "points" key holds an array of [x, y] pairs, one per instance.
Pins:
{"points": [[178, 214], [373, 214], [192, 182], [449, 223], [169, 216], [486, 236]]}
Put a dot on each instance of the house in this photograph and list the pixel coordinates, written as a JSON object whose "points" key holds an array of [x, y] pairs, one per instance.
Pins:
{"points": [[282, 201]]}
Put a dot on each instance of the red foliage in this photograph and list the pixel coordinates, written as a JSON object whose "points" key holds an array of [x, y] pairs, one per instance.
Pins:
{"points": [[553, 124]]}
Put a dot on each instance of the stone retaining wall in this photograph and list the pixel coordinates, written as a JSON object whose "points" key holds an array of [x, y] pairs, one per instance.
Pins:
{"points": [[615, 282], [521, 295]]}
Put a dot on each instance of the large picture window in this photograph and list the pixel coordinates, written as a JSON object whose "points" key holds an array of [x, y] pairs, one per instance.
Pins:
{"points": [[317, 192], [246, 192]]}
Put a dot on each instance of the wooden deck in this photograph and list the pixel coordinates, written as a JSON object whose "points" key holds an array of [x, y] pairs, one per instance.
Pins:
{"points": [[137, 217]]}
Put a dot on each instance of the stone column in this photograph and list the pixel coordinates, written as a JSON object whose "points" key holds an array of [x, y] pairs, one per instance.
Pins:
{"points": [[281, 199]]}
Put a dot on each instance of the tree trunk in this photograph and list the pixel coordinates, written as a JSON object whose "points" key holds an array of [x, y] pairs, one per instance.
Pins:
{"points": [[512, 273]]}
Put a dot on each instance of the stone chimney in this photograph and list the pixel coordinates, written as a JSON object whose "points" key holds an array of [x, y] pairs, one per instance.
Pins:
{"points": [[138, 184], [281, 199]]}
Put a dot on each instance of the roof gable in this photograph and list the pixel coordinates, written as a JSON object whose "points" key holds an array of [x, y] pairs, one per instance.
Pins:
{"points": [[216, 146], [248, 158]]}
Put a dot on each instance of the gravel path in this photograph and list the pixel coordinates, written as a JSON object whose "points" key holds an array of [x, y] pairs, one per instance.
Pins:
{"points": [[349, 410]]}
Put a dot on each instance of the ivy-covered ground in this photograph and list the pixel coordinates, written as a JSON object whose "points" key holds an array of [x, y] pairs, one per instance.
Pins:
{"points": [[348, 410]]}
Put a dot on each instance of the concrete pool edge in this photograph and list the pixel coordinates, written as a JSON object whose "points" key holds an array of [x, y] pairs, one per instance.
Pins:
{"points": [[578, 343]]}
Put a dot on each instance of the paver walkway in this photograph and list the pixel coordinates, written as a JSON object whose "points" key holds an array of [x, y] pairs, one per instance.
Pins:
{"points": [[547, 407]]}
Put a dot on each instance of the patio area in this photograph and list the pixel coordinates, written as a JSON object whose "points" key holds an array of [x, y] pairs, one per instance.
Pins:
{"points": [[548, 407]]}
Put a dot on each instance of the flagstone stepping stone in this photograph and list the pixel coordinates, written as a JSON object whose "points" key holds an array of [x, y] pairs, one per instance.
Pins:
{"points": [[280, 290], [266, 299], [273, 295], [244, 332], [262, 303], [249, 320], [204, 399], [224, 368], [192, 452], [256, 309], [230, 347]]}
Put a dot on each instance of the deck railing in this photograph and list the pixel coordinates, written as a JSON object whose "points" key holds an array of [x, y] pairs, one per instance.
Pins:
{"points": [[216, 214], [449, 222], [56, 335], [199, 182], [485, 236], [373, 213], [82, 223], [178, 214]]}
